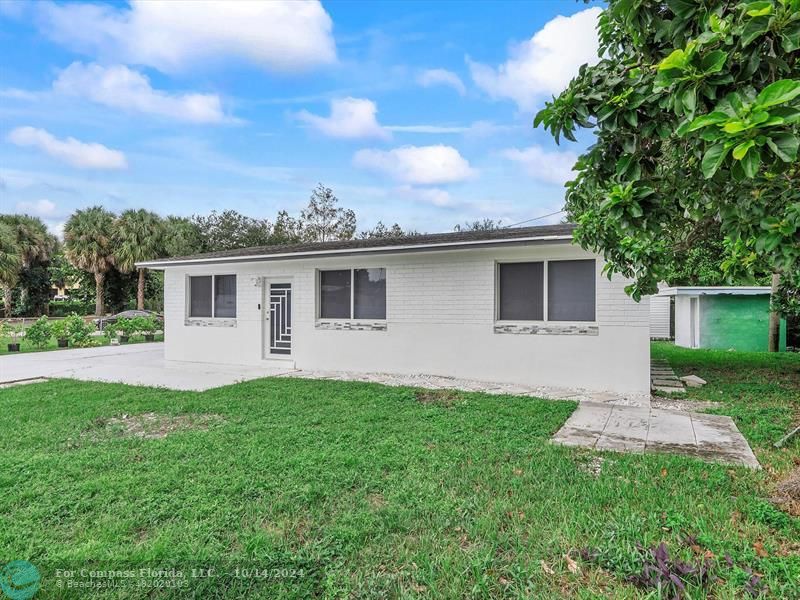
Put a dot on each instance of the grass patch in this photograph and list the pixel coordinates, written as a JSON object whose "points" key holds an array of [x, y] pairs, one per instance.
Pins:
{"points": [[356, 489]]}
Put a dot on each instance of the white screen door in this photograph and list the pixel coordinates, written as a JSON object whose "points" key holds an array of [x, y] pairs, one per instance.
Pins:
{"points": [[280, 318]]}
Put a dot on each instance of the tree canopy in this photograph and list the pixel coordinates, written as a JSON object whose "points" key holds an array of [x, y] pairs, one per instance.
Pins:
{"points": [[88, 245], [138, 236], [695, 106], [324, 220]]}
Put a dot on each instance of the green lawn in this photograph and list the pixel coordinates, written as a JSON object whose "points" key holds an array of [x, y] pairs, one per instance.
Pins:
{"points": [[26, 346], [360, 490]]}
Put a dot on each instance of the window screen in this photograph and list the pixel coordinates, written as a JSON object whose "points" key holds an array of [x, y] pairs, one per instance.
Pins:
{"points": [[570, 290], [225, 296], [369, 294], [334, 294], [200, 296], [521, 289]]}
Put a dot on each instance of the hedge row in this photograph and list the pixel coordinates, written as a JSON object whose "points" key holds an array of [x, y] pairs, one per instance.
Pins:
{"points": [[64, 308]]}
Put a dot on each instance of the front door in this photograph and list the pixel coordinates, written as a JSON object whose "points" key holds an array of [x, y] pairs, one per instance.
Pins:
{"points": [[279, 318]]}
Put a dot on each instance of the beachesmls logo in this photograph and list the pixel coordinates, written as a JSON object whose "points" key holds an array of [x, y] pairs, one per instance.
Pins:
{"points": [[19, 580]]}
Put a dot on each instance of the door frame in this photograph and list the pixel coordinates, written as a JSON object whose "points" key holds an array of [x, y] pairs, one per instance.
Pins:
{"points": [[694, 321], [265, 316]]}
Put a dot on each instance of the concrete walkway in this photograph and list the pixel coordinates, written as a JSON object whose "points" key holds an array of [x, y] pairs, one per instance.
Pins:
{"points": [[136, 364], [663, 378], [644, 429]]}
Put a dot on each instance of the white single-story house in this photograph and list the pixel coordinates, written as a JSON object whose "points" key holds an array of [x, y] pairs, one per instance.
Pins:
{"points": [[721, 317], [521, 305]]}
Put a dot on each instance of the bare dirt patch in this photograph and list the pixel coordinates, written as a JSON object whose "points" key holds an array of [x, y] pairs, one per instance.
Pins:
{"points": [[150, 425], [787, 493], [593, 465], [376, 501], [440, 397]]}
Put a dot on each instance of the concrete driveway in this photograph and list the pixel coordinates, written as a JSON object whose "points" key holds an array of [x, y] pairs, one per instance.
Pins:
{"points": [[137, 364]]}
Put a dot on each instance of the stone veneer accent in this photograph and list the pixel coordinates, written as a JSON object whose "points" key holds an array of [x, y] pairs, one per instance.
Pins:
{"points": [[352, 325], [548, 329], [195, 322]]}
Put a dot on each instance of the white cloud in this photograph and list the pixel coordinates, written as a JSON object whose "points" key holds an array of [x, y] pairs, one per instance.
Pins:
{"points": [[121, 87], [433, 77], [350, 118], [56, 228], [79, 154], [549, 167], [17, 94], [417, 165], [37, 208], [545, 64], [436, 129], [476, 128], [279, 35], [436, 196]]}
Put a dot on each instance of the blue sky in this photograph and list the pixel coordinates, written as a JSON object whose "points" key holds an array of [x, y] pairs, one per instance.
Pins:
{"points": [[413, 112]]}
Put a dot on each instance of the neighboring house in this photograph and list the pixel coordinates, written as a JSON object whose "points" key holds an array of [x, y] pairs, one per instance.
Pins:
{"points": [[660, 317], [61, 291], [725, 318], [511, 305]]}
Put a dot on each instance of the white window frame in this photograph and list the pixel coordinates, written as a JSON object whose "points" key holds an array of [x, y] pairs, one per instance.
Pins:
{"points": [[318, 296], [213, 297], [545, 301]]}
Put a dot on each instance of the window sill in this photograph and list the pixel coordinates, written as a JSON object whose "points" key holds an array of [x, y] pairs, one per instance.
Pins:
{"points": [[546, 328], [209, 322], [351, 325]]}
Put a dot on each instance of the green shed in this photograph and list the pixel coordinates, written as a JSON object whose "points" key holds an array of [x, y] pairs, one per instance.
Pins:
{"points": [[725, 318]]}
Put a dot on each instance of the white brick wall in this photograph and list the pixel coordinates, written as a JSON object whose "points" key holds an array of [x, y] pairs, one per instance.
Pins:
{"points": [[440, 317]]}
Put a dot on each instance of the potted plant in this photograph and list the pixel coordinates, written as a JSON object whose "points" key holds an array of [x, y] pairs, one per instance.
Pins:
{"points": [[147, 326], [39, 333], [59, 331], [123, 328], [15, 332], [78, 331]]}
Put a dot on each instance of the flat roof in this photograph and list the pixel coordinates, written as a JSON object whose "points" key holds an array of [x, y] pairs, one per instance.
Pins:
{"points": [[715, 290], [417, 243]]}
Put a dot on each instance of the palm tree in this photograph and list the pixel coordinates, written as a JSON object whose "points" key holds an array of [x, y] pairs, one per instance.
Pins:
{"points": [[10, 263], [34, 244], [88, 245], [138, 236]]}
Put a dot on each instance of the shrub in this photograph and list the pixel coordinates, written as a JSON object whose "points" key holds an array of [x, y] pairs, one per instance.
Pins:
{"points": [[59, 329], [78, 331], [39, 333], [125, 326], [14, 332], [63, 308], [146, 325]]}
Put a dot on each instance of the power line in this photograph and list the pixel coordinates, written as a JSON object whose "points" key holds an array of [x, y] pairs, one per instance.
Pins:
{"points": [[558, 212]]}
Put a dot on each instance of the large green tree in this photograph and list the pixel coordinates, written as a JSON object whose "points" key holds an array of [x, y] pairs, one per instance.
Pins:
{"points": [[324, 220], [10, 264], [695, 106], [182, 237], [34, 244], [229, 229], [88, 245], [138, 236]]}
